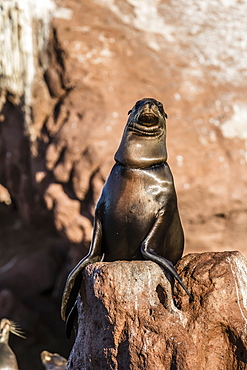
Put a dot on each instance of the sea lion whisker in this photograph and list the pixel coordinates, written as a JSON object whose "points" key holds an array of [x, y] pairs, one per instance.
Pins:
{"points": [[16, 330]]}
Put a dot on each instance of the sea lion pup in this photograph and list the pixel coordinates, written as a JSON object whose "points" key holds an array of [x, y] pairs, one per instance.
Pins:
{"points": [[53, 361], [7, 357], [136, 216]]}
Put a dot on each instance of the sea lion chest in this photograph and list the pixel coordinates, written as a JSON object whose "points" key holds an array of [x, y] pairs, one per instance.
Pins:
{"points": [[130, 201], [7, 358]]}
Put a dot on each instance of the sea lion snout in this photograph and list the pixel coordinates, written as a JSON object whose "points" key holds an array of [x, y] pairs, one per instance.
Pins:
{"points": [[148, 118], [4, 329], [148, 110], [149, 114]]}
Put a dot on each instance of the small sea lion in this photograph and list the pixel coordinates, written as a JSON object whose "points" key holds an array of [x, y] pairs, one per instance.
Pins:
{"points": [[136, 216], [7, 357], [53, 361]]}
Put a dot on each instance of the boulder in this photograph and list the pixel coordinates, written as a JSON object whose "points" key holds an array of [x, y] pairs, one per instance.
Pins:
{"points": [[129, 318]]}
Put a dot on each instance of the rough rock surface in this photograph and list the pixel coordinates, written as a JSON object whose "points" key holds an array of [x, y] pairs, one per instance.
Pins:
{"points": [[128, 320], [218, 316]]}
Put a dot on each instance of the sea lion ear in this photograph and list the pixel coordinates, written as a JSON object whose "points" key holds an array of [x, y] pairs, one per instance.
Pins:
{"points": [[129, 111], [165, 115]]}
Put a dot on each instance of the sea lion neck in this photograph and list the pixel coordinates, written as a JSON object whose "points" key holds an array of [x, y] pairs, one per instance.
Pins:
{"points": [[143, 142], [136, 152]]}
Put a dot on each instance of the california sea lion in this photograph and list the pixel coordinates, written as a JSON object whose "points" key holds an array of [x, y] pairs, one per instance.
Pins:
{"points": [[7, 356], [53, 361], [136, 216]]}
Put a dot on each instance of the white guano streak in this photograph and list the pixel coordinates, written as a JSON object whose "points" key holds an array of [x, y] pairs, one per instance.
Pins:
{"points": [[239, 272], [21, 38]]}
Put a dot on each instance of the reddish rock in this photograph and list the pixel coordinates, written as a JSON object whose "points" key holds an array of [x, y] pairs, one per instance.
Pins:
{"points": [[128, 320], [217, 318]]}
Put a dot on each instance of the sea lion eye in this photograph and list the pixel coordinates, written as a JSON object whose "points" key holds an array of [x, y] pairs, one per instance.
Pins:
{"points": [[138, 103], [161, 109], [129, 111]]}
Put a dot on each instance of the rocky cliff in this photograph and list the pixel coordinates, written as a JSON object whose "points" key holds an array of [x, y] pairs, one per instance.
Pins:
{"points": [[69, 73]]}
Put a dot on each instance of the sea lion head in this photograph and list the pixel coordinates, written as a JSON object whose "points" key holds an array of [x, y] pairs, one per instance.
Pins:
{"points": [[4, 330], [9, 326], [144, 139], [53, 360]]}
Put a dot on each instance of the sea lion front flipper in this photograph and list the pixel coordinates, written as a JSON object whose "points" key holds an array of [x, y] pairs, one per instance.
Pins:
{"points": [[72, 316], [74, 279], [149, 253]]}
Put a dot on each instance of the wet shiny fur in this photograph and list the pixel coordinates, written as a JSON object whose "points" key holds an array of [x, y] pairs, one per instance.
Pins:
{"points": [[136, 216], [7, 357]]}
